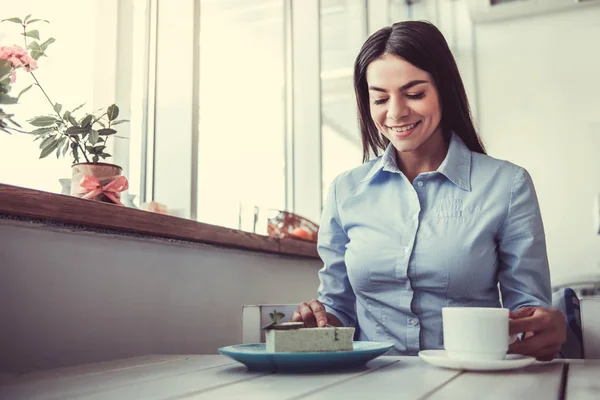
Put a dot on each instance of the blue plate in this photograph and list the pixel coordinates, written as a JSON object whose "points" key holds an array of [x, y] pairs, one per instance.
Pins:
{"points": [[256, 358]]}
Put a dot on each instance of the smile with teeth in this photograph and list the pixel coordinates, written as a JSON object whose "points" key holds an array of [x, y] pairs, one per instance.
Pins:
{"points": [[403, 128]]}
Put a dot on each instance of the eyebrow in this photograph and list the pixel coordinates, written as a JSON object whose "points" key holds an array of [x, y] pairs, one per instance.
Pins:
{"points": [[403, 87]]}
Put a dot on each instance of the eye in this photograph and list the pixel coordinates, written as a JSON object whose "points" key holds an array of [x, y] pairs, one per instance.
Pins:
{"points": [[379, 101], [416, 96]]}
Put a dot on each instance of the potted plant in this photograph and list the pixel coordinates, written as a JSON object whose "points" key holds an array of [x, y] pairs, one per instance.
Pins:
{"points": [[72, 132]]}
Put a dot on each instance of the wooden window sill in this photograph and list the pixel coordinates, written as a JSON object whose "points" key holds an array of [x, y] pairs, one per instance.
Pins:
{"points": [[23, 202]]}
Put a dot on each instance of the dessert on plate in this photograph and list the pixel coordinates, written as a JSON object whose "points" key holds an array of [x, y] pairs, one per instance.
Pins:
{"points": [[294, 337]]}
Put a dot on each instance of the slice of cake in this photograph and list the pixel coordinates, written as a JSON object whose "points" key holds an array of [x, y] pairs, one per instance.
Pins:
{"points": [[309, 339], [293, 337]]}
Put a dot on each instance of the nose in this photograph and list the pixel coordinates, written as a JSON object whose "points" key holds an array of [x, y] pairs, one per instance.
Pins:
{"points": [[398, 109]]}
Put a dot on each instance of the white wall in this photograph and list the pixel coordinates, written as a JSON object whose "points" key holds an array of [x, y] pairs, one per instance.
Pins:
{"points": [[539, 80], [71, 297]]}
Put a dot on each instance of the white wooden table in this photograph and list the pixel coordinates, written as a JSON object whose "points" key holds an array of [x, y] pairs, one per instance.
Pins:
{"points": [[218, 377]]}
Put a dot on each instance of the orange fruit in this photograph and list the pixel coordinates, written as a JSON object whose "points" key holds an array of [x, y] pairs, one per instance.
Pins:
{"points": [[302, 234]]}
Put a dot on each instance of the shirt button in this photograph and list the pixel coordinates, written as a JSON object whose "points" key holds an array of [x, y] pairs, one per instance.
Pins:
{"points": [[406, 250], [420, 184], [413, 322]]}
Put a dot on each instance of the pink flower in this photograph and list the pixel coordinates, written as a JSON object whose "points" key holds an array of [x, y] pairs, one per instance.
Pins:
{"points": [[18, 58]]}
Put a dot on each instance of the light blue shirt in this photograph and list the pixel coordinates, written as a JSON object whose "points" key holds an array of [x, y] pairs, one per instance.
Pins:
{"points": [[396, 252]]}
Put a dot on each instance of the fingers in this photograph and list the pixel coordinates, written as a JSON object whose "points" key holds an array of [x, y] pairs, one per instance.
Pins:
{"points": [[545, 332], [296, 317], [539, 320], [526, 324], [522, 313], [313, 314], [319, 312], [534, 344]]}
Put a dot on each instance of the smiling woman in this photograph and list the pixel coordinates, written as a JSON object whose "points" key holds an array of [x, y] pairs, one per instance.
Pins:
{"points": [[423, 226]]}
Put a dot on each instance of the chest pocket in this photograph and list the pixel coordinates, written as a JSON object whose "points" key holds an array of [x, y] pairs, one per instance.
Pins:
{"points": [[447, 208]]}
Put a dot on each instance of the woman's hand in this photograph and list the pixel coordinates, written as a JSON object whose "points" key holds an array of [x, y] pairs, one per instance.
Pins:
{"points": [[313, 314], [545, 331]]}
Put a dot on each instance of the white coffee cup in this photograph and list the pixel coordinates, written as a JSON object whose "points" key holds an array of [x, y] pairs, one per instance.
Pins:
{"points": [[474, 333]]}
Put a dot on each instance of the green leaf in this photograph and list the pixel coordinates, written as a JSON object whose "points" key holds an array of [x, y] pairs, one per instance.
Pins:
{"points": [[36, 20], [112, 112], [23, 91], [15, 20], [47, 43], [36, 51], [70, 118], [61, 144], [41, 131], [32, 34], [75, 151], [49, 149], [107, 131], [119, 121], [66, 148], [46, 142], [104, 155], [87, 120], [95, 159], [57, 108], [93, 137], [77, 130], [42, 121], [6, 99], [77, 108], [27, 18]]}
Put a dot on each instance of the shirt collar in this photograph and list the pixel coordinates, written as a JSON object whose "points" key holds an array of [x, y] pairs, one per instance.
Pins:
{"points": [[387, 162], [456, 166]]}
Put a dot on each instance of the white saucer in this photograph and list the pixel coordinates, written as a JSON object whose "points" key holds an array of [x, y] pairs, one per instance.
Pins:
{"points": [[440, 359]]}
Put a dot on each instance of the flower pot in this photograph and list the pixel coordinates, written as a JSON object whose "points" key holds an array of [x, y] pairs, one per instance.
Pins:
{"points": [[89, 180]]}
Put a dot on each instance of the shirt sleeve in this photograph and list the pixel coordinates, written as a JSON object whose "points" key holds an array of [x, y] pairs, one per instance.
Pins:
{"points": [[335, 291], [523, 274]]}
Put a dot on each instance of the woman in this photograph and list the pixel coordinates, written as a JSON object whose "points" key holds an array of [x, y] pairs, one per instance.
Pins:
{"points": [[433, 221]]}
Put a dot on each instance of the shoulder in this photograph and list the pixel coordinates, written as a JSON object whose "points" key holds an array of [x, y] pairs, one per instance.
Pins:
{"points": [[502, 172], [348, 181]]}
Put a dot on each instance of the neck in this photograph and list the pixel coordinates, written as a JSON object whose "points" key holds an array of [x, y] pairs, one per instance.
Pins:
{"points": [[428, 157]]}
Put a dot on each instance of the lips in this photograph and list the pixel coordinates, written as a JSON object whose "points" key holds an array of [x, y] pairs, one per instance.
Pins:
{"points": [[404, 131], [404, 128]]}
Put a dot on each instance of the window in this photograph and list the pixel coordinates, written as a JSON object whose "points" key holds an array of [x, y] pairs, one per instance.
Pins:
{"points": [[66, 75], [82, 66], [343, 30], [242, 108]]}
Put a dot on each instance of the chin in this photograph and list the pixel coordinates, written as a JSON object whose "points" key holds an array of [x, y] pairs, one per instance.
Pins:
{"points": [[405, 147]]}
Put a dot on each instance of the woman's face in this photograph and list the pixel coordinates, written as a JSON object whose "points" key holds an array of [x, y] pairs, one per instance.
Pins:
{"points": [[404, 103]]}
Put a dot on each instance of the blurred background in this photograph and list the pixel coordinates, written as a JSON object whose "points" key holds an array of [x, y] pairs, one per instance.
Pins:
{"points": [[240, 105]]}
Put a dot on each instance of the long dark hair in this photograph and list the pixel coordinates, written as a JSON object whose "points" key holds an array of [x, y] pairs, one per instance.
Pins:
{"points": [[423, 45]]}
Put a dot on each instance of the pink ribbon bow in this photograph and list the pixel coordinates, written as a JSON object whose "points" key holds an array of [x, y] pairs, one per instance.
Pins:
{"points": [[93, 188]]}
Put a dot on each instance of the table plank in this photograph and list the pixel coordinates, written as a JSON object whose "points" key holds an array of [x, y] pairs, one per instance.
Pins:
{"points": [[538, 381], [289, 385], [409, 378], [94, 368], [109, 377], [584, 380], [178, 386]]}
